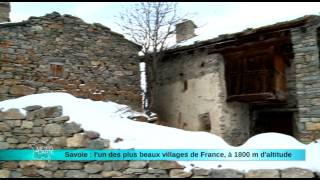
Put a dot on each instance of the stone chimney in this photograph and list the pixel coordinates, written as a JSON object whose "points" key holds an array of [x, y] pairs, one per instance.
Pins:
{"points": [[4, 12], [185, 30]]}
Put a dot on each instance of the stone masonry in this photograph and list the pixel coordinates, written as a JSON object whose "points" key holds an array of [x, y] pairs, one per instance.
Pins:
{"points": [[306, 65], [46, 126], [191, 95], [63, 53], [191, 89]]}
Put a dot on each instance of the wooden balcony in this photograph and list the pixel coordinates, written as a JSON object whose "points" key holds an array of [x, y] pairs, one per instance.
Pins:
{"points": [[255, 77]]}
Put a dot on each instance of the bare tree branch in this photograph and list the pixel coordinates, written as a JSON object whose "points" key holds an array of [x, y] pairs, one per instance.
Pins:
{"points": [[151, 24]]}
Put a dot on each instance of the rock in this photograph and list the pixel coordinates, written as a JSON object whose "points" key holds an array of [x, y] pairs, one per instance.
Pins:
{"points": [[179, 173], [4, 127], [4, 89], [72, 128], [12, 141], [4, 145], [134, 171], [107, 166], [165, 165], [78, 140], [157, 171], [141, 118], [27, 124], [32, 108], [22, 139], [30, 171], [71, 166], [4, 173], [199, 177], [92, 134], [33, 140], [2, 138], [59, 141], [58, 119], [96, 144], [310, 126], [52, 165], [46, 174], [22, 90], [37, 130], [10, 165], [119, 165], [93, 168], [263, 173], [297, 173], [76, 174], [95, 176], [13, 114], [37, 164], [17, 123], [225, 173], [53, 130], [200, 172], [10, 123], [39, 122], [108, 174], [127, 176], [138, 164], [15, 174], [23, 146], [46, 112], [58, 174], [147, 176]]}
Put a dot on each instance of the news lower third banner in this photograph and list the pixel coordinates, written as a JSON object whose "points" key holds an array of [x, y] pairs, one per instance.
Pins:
{"points": [[155, 154]]}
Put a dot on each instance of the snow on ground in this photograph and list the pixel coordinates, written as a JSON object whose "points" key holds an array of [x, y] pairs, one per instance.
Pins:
{"points": [[111, 121]]}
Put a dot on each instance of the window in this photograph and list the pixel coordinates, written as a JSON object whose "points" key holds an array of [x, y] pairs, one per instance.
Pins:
{"points": [[56, 69]]}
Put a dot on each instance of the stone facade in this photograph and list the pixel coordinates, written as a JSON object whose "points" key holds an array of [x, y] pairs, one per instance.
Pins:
{"points": [[63, 53], [192, 96], [47, 127], [191, 89], [306, 65]]}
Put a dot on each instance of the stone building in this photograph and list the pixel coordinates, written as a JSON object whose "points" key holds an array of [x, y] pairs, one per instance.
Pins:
{"points": [[63, 53], [237, 85]]}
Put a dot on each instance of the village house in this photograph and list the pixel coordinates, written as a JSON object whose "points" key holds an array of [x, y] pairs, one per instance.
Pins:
{"points": [[238, 85], [62, 53]]}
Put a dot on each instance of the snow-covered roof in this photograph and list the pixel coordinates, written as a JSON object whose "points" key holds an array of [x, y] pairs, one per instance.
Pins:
{"points": [[206, 38]]}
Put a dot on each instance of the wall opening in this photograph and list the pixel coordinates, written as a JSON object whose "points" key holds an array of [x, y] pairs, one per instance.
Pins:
{"points": [[204, 122], [279, 122], [56, 70], [318, 43], [185, 85]]}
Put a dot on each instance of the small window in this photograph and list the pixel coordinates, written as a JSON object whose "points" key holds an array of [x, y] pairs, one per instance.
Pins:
{"points": [[204, 121], [56, 70], [185, 86]]}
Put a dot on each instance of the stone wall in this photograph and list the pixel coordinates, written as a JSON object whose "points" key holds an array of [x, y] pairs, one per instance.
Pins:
{"points": [[46, 125], [191, 94], [307, 72], [63, 53]]}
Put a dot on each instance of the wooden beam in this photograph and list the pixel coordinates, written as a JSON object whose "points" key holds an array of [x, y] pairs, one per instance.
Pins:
{"points": [[248, 46]]}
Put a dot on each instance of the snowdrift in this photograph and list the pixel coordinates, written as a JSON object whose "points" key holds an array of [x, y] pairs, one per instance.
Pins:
{"points": [[112, 121]]}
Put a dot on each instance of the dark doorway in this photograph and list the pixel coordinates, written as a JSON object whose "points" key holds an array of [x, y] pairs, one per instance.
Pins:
{"points": [[280, 122]]}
